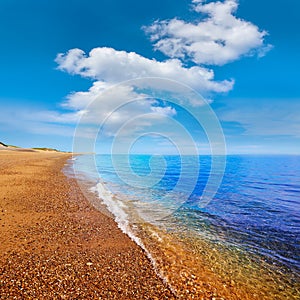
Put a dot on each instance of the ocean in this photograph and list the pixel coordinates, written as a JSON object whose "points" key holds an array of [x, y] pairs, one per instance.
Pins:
{"points": [[244, 244]]}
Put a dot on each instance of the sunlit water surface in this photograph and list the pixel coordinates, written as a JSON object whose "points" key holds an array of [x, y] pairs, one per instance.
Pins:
{"points": [[244, 243]]}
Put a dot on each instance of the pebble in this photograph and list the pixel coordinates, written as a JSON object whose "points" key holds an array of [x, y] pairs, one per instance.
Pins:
{"points": [[60, 224]]}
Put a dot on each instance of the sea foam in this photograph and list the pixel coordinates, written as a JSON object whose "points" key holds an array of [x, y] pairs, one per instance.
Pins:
{"points": [[117, 207]]}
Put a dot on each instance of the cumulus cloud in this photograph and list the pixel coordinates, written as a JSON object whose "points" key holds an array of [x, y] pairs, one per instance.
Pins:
{"points": [[110, 107], [219, 38], [216, 40], [105, 101], [165, 111], [111, 66]]}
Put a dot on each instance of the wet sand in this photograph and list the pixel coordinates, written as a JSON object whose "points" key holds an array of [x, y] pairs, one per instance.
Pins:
{"points": [[55, 245]]}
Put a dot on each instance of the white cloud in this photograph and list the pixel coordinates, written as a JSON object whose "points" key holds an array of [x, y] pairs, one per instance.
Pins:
{"points": [[216, 40], [79, 100], [37, 122], [116, 106], [105, 102], [165, 111], [108, 65], [130, 108], [267, 118]]}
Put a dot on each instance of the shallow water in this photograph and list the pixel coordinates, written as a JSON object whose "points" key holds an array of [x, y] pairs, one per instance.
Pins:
{"points": [[243, 245]]}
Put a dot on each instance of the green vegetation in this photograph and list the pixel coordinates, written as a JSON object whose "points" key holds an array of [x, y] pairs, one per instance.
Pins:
{"points": [[9, 146], [45, 149]]}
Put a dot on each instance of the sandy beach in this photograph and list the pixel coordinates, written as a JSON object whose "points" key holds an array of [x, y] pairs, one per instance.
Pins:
{"points": [[55, 245]]}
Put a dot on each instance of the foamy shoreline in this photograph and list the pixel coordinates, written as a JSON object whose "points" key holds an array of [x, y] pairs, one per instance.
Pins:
{"points": [[193, 266]]}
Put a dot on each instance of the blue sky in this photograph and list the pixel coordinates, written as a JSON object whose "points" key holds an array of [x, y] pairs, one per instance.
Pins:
{"points": [[259, 113]]}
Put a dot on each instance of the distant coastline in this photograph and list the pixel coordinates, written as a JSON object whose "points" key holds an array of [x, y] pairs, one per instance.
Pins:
{"points": [[4, 146]]}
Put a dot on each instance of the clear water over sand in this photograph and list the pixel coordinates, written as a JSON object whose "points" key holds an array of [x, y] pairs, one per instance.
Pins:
{"points": [[243, 245]]}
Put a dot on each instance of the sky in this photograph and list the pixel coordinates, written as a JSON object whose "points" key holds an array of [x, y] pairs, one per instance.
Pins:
{"points": [[64, 63]]}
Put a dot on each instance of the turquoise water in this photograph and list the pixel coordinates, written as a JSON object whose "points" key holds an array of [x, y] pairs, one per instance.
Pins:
{"points": [[244, 244], [257, 207]]}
